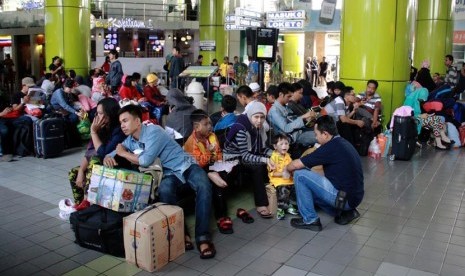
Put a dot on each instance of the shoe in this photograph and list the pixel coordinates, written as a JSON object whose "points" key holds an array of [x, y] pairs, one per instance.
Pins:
{"points": [[7, 158], [292, 210], [66, 208], [280, 214], [314, 226], [83, 205], [347, 217]]}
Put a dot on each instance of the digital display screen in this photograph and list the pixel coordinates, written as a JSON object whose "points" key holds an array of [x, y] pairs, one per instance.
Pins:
{"points": [[264, 51]]}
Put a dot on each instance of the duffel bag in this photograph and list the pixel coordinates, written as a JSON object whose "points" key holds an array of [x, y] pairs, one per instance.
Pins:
{"points": [[99, 229]]}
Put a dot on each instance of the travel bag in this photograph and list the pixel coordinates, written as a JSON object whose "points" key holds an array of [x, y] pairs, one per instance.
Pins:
{"points": [[48, 137], [99, 229], [404, 136]]}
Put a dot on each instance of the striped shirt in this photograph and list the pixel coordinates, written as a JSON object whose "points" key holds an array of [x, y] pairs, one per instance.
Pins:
{"points": [[242, 147], [370, 103]]}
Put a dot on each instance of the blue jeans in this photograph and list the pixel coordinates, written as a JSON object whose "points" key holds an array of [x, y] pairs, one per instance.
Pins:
{"points": [[199, 182], [306, 138], [313, 189]]}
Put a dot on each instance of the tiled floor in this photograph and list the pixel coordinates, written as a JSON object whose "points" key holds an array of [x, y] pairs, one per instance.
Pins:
{"points": [[413, 223]]}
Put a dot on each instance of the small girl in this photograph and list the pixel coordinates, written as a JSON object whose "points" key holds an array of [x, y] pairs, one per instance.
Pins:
{"points": [[280, 177]]}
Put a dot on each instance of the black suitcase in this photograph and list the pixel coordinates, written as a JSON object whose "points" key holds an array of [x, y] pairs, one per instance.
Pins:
{"points": [[404, 136], [99, 229], [49, 137]]}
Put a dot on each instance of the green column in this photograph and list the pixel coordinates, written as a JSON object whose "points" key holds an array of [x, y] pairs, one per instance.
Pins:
{"points": [[375, 44], [292, 55], [433, 33], [67, 33], [211, 27]]}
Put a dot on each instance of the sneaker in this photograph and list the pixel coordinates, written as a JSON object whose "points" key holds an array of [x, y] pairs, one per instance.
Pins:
{"points": [[66, 208], [314, 226], [347, 217], [280, 214], [292, 210]]}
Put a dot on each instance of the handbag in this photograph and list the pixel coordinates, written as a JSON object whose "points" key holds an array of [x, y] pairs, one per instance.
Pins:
{"points": [[84, 127], [99, 229]]}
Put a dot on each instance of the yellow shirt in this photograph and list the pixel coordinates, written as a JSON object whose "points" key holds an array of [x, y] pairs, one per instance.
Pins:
{"points": [[280, 163], [224, 69]]}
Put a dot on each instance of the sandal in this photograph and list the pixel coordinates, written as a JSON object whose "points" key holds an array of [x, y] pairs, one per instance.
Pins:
{"points": [[264, 214], [208, 252], [225, 225], [244, 216], [188, 245]]}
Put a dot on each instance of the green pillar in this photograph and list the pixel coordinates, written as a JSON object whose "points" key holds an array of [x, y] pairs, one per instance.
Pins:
{"points": [[433, 33], [293, 59], [375, 43], [211, 27], [67, 33]]}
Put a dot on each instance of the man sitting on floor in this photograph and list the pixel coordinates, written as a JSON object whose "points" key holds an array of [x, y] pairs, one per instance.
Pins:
{"points": [[143, 145], [339, 191]]}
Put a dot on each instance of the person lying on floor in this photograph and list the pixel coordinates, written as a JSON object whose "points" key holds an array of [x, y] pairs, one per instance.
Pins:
{"points": [[339, 191], [143, 145]]}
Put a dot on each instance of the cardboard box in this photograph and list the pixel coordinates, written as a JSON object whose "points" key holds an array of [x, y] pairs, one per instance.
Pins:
{"points": [[119, 190], [146, 235]]}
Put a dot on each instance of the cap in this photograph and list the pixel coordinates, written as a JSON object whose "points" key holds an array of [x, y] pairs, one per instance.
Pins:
{"points": [[254, 86], [152, 78], [29, 82]]}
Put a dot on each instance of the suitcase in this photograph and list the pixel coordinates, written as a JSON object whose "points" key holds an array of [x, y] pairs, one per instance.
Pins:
{"points": [[49, 137], [404, 136], [99, 229]]}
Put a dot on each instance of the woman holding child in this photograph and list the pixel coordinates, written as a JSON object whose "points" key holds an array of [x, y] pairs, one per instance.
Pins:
{"points": [[246, 142], [106, 134]]}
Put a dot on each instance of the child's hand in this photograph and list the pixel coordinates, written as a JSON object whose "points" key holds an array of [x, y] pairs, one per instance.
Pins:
{"points": [[271, 165]]}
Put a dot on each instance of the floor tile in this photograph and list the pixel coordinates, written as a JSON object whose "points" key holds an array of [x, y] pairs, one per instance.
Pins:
{"points": [[80, 271], [288, 270], [264, 266], [123, 269], [103, 263], [328, 268]]}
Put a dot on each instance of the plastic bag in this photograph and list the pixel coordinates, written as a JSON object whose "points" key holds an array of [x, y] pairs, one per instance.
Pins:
{"points": [[84, 127], [373, 149], [387, 148], [382, 139]]}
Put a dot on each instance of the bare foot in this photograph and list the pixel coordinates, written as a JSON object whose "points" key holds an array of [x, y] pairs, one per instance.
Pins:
{"points": [[216, 178]]}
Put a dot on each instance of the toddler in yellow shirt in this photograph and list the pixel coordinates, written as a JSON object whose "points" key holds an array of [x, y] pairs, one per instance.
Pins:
{"points": [[280, 177]]}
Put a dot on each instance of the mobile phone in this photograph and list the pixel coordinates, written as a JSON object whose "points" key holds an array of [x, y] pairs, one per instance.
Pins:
{"points": [[328, 9]]}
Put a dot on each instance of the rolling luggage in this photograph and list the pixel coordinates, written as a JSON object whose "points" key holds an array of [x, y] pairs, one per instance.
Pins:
{"points": [[404, 136], [49, 137], [99, 229]]}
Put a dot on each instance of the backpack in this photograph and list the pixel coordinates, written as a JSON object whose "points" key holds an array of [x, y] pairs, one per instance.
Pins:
{"points": [[23, 140]]}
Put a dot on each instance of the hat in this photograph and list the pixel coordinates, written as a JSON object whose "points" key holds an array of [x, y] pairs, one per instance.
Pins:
{"points": [[29, 82], [254, 108], [425, 64], [152, 78], [254, 86]]}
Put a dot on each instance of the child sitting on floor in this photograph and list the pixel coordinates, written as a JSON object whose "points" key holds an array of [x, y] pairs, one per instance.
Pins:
{"points": [[203, 145], [279, 177]]}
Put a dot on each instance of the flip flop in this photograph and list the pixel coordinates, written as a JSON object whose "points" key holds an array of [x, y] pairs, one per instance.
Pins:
{"points": [[188, 245], [265, 214], [208, 252], [244, 216], [225, 225]]}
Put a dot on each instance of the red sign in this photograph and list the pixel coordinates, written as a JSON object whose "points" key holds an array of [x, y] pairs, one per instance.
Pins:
{"points": [[459, 37]]}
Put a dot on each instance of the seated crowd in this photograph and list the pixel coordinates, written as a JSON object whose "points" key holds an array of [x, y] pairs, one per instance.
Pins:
{"points": [[210, 154]]}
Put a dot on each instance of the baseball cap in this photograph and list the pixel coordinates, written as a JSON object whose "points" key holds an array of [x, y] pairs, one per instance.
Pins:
{"points": [[29, 82]]}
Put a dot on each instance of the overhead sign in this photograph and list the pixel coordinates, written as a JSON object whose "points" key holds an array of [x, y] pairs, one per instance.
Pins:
{"points": [[207, 45], [232, 27], [285, 24], [230, 18], [300, 14], [247, 22], [248, 13]]}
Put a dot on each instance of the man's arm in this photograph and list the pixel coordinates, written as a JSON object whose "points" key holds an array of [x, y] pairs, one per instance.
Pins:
{"points": [[295, 165], [280, 121]]}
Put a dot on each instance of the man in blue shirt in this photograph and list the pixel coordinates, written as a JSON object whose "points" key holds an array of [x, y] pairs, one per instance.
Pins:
{"points": [[341, 185], [143, 145]]}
